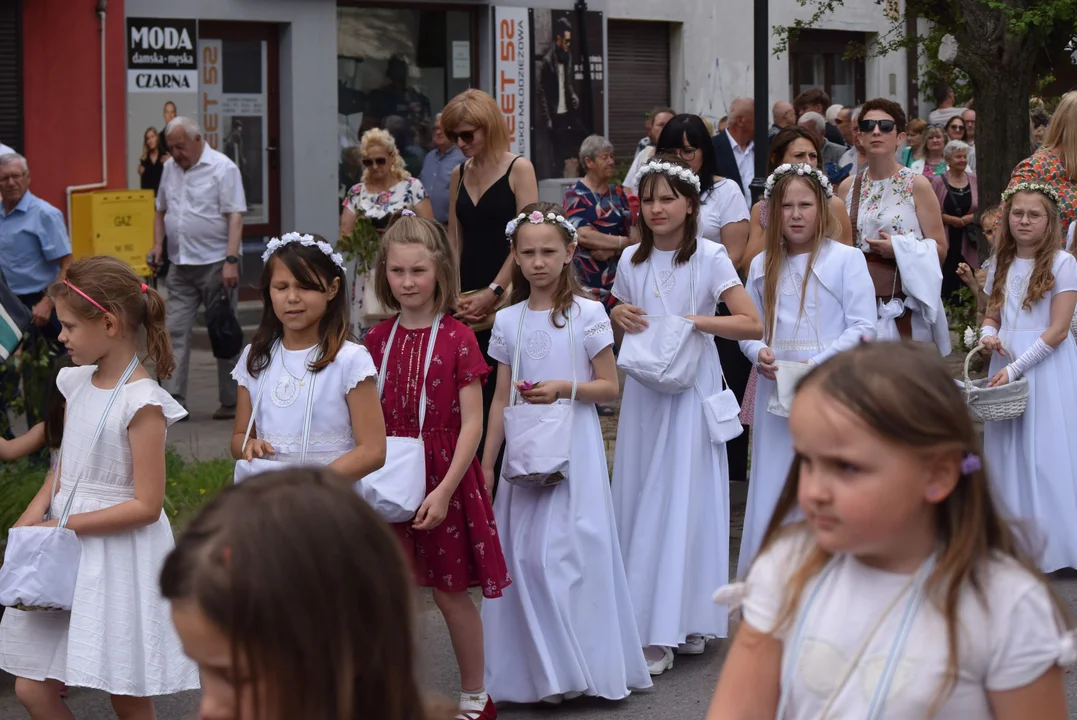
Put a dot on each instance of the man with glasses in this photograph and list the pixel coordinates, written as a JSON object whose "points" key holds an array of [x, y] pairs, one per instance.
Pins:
{"points": [[35, 252]]}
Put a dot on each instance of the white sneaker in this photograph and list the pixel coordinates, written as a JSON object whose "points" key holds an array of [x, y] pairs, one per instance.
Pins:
{"points": [[693, 645], [657, 667]]}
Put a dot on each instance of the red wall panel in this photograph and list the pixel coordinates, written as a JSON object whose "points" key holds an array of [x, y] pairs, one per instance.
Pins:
{"points": [[62, 95]]}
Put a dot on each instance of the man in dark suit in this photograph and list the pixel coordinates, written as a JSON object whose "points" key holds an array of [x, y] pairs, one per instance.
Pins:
{"points": [[735, 147]]}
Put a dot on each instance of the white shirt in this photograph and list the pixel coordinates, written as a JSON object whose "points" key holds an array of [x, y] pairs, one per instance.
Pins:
{"points": [[196, 204], [745, 164], [724, 204], [1006, 641], [631, 183]]}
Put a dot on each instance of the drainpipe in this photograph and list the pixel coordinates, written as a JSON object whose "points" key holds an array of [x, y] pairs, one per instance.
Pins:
{"points": [[102, 12]]}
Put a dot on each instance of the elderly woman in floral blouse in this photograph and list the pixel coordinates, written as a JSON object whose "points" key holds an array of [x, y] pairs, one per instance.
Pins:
{"points": [[601, 214]]}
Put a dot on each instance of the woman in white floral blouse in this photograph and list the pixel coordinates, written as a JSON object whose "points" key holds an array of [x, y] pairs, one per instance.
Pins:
{"points": [[386, 187]]}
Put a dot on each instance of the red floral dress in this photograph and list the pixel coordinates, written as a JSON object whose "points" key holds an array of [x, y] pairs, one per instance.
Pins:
{"points": [[464, 551], [1047, 167]]}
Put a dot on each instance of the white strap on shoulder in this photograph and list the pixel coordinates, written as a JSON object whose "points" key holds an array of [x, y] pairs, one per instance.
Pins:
{"points": [[258, 396], [426, 365], [513, 393]]}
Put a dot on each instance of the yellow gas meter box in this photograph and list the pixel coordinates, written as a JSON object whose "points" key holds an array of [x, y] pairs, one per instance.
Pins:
{"points": [[118, 223]]}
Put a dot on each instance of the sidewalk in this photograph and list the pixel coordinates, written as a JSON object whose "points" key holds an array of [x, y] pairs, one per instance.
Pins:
{"points": [[201, 437]]}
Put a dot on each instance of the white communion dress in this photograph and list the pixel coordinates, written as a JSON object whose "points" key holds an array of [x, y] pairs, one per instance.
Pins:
{"points": [[118, 636]]}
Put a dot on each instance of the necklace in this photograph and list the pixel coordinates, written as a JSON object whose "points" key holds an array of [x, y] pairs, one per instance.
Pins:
{"points": [[286, 391]]}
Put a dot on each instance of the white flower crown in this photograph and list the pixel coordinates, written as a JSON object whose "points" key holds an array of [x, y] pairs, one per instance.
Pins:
{"points": [[537, 218], [1026, 186], [670, 170], [305, 240], [801, 169]]}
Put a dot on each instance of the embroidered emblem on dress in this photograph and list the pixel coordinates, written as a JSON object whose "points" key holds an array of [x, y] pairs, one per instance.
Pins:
{"points": [[1019, 285], [667, 282], [538, 345], [791, 283]]}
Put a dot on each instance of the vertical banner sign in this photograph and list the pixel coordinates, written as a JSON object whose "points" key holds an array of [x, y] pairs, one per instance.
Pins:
{"points": [[162, 82], [512, 74], [234, 115]]}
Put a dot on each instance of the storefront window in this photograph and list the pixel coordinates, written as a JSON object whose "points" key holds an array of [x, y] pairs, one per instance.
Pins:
{"points": [[396, 69]]}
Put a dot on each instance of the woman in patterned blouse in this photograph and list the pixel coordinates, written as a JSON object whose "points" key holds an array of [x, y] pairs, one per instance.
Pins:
{"points": [[1055, 163]]}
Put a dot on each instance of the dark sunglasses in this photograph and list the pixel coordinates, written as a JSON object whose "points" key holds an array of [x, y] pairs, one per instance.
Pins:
{"points": [[885, 126], [466, 135], [955, 126], [371, 162]]}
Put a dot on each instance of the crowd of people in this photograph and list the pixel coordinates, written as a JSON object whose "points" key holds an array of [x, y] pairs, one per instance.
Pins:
{"points": [[890, 561]]}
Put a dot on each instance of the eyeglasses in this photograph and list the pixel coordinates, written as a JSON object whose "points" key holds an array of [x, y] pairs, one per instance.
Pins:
{"points": [[885, 126], [371, 162], [1033, 216], [956, 127], [468, 136], [688, 153]]}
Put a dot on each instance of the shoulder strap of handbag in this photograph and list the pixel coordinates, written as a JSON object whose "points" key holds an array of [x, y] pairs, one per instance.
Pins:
{"points": [[858, 183], [658, 287], [426, 365], [93, 443], [513, 394], [258, 395]]}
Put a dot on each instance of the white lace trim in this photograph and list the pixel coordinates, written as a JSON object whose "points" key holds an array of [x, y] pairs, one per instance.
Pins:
{"points": [[499, 340], [725, 286], [358, 375], [801, 345], [343, 437], [598, 328]]}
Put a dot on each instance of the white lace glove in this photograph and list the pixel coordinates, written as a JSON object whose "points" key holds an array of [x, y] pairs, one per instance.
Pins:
{"points": [[1029, 359], [988, 331]]}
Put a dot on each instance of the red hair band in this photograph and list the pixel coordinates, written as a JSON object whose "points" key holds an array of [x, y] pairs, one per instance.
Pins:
{"points": [[89, 299]]}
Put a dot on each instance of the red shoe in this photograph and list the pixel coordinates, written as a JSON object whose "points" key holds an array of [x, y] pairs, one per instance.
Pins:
{"points": [[487, 713]]}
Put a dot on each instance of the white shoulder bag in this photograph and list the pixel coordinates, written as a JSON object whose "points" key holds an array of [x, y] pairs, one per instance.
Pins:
{"points": [[538, 438], [41, 564], [789, 374], [256, 466], [398, 489], [664, 356]]}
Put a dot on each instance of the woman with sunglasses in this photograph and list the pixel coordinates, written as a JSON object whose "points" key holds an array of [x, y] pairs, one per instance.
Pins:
{"points": [[955, 130], [386, 187], [895, 214], [488, 190]]}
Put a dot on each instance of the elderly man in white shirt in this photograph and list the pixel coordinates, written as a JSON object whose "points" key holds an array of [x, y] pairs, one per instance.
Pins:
{"points": [[200, 206]]}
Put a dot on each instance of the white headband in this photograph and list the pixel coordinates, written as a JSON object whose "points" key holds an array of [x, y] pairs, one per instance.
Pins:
{"points": [[669, 170], [801, 169], [537, 218], [306, 241]]}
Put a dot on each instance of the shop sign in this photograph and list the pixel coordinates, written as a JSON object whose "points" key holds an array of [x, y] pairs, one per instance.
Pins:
{"points": [[512, 74], [161, 55]]}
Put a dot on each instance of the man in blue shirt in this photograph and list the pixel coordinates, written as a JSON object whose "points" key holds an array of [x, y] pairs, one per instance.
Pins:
{"points": [[35, 252], [437, 167]]}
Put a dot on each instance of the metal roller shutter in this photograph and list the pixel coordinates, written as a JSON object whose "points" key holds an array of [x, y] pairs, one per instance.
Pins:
{"points": [[638, 78], [11, 73]]}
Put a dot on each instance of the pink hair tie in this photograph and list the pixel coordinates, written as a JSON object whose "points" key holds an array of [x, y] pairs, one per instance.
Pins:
{"points": [[145, 287], [88, 299], [407, 213]]}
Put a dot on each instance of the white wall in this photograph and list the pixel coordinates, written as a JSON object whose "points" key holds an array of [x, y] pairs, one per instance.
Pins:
{"points": [[712, 48], [308, 96]]}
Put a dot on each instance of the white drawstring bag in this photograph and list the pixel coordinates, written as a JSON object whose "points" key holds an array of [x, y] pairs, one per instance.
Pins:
{"points": [[664, 356], [723, 414], [538, 438], [789, 374], [256, 466], [398, 489], [41, 564]]}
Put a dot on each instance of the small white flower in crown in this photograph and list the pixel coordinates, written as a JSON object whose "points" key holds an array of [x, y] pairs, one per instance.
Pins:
{"points": [[537, 218], [276, 244], [670, 170], [801, 170]]}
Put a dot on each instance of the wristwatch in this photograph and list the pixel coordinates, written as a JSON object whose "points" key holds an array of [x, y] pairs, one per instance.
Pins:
{"points": [[497, 290], [231, 259]]}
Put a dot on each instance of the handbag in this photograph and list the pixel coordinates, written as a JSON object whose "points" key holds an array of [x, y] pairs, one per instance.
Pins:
{"points": [[223, 328], [883, 271], [41, 564], [15, 319], [398, 488], [664, 356], [538, 438], [256, 466], [723, 414]]}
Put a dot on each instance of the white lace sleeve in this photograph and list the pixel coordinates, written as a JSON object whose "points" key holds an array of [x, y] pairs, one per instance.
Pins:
{"points": [[621, 288], [499, 347], [722, 273], [239, 372], [357, 366], [598, 332]]}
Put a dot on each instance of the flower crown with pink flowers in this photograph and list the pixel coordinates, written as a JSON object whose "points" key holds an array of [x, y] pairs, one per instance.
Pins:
{"points": [[537, 218]]}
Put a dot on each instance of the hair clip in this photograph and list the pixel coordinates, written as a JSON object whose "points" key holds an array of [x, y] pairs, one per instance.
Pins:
{"points": [[407, 213], [971, 463]]}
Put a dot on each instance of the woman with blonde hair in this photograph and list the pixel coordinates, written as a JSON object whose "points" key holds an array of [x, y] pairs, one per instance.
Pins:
{"points": [[386, 187], [488, 190], [1055, 163]]}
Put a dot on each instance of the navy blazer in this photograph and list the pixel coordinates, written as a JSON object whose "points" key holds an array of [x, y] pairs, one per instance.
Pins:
{"points": [[727, 163]]}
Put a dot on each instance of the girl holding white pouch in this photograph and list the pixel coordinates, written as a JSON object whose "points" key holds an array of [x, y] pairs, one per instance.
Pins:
{"points": [[896, 222], [670, 478], [817, 300]]}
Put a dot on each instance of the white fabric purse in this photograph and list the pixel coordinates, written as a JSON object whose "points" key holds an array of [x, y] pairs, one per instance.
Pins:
{"points": [[723, 414], [664, 357], [789, 374], [256, 466], [538, 438], [41, 564], [398, 489]]}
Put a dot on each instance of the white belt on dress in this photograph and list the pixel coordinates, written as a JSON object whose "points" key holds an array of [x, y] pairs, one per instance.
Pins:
{"points": [[98, 491]]}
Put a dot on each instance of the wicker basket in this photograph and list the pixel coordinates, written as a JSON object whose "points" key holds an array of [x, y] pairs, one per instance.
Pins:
{"points": [[986, 404]]}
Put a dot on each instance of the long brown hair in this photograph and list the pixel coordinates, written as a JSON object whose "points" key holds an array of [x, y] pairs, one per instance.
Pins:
{"points": [[568, 285], [313, 592], [414, 230], [313, 270], [908, 397], [826, 226], [647, 188], [1042, 278], [113, 285]]}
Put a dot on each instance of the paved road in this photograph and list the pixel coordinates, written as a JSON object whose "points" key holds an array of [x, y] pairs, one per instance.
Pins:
{"points": [[681, 694]]}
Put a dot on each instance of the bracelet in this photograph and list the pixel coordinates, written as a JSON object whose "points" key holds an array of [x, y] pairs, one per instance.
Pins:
{"points": [[620, 243], [987, 331]]}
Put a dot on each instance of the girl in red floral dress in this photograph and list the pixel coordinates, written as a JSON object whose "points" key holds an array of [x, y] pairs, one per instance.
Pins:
{"points": [[452, 541]]}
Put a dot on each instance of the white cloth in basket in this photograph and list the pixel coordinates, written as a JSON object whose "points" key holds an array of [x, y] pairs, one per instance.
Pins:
{"points": [[118, 636], [1030, 460]]}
